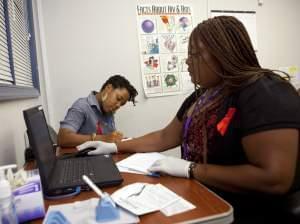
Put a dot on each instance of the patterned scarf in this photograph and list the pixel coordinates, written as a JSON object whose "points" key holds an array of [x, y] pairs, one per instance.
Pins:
{"points": [[200, 125]]}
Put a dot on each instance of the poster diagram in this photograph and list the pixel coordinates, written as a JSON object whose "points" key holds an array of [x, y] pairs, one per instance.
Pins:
{"points": [[163, 33]]}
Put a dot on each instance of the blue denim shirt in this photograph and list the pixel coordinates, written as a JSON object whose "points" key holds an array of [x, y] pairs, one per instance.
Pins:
{"points": [[85, 117]]}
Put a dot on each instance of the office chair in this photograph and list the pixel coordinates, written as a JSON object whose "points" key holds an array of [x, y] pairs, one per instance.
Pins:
{"points": [[53, 135]]}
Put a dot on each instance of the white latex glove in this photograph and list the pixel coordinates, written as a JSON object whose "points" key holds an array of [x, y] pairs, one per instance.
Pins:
{"points": [[172, 166], [100, 147]]}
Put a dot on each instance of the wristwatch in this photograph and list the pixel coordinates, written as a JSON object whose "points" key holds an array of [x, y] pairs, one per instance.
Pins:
{"points": [[191, 169]]}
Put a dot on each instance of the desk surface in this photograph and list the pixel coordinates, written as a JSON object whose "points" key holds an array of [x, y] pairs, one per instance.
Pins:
{"points": [[209, 207]]}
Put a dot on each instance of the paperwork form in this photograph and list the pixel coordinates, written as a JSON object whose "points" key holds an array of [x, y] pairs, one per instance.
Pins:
{"points": [[139, 162], [143, 198]]}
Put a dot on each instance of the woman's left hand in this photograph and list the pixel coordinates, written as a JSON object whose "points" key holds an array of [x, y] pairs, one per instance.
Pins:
{"points": [[172, 166]]}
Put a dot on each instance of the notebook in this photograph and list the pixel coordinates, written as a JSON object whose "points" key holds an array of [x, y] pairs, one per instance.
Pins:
{"points": [[60, 176]]}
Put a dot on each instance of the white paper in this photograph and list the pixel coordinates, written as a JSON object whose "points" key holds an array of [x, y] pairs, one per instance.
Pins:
{"points": [[84, 212], [139, 162], [176, 207], [124, 198], [161, 196], [143, 198]]}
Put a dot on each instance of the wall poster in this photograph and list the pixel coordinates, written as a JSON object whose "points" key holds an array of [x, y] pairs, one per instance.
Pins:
{"points": [[163, 33]]}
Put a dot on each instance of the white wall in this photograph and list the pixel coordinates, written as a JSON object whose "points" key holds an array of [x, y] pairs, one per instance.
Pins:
{"points": [[278, 33], [12, 130]]}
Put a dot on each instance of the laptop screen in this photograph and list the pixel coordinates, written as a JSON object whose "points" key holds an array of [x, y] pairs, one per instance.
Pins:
{"points": [[40, 141]]}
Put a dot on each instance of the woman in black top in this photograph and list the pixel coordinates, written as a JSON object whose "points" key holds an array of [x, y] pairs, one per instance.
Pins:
{"points": [[239, 130]]}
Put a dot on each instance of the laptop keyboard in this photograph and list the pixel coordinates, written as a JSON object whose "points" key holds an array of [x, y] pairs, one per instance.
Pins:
{"points": [[74, 169]]}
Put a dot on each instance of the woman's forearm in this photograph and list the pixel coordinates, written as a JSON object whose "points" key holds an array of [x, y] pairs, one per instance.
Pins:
{"points": [[148, 143], [241, 178], [157, 141], [71, 139]]}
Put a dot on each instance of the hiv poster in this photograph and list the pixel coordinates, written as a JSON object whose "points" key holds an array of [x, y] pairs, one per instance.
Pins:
{"points": [[163, 33]]}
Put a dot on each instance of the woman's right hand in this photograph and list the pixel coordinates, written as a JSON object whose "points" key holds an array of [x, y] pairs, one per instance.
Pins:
{"points": [[115, 136]]}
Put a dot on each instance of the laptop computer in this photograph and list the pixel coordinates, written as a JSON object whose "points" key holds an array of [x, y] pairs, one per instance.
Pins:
{"points": [[60, 176]]}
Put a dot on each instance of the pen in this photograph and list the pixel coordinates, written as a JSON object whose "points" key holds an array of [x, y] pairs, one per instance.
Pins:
{"points": [[104, 196], [126, 139], [151, 174], [93, 186]]}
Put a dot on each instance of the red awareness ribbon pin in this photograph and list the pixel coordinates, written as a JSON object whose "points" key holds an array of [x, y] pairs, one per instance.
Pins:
{"points": [[224, 123]]}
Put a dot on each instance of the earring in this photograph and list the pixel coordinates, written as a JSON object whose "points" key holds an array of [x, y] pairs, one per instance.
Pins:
{"points": [[104, 97]]}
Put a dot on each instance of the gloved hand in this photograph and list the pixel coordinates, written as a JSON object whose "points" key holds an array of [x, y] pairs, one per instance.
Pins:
{"points": [[100, 147], [172, 166]]}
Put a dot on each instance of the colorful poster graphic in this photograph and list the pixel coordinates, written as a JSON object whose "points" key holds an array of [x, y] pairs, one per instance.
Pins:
{"points": [[163, 33]]}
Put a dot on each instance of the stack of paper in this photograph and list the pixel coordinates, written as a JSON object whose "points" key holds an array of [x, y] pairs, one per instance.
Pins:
{"points": [[139, 162], [143, 198]]}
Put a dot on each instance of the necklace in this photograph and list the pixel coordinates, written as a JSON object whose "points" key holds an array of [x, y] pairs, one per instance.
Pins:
{"points": [[203, 99]]}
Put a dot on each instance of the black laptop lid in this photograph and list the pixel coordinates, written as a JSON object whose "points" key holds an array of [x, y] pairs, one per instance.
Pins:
{"points": [[40, 141]]}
